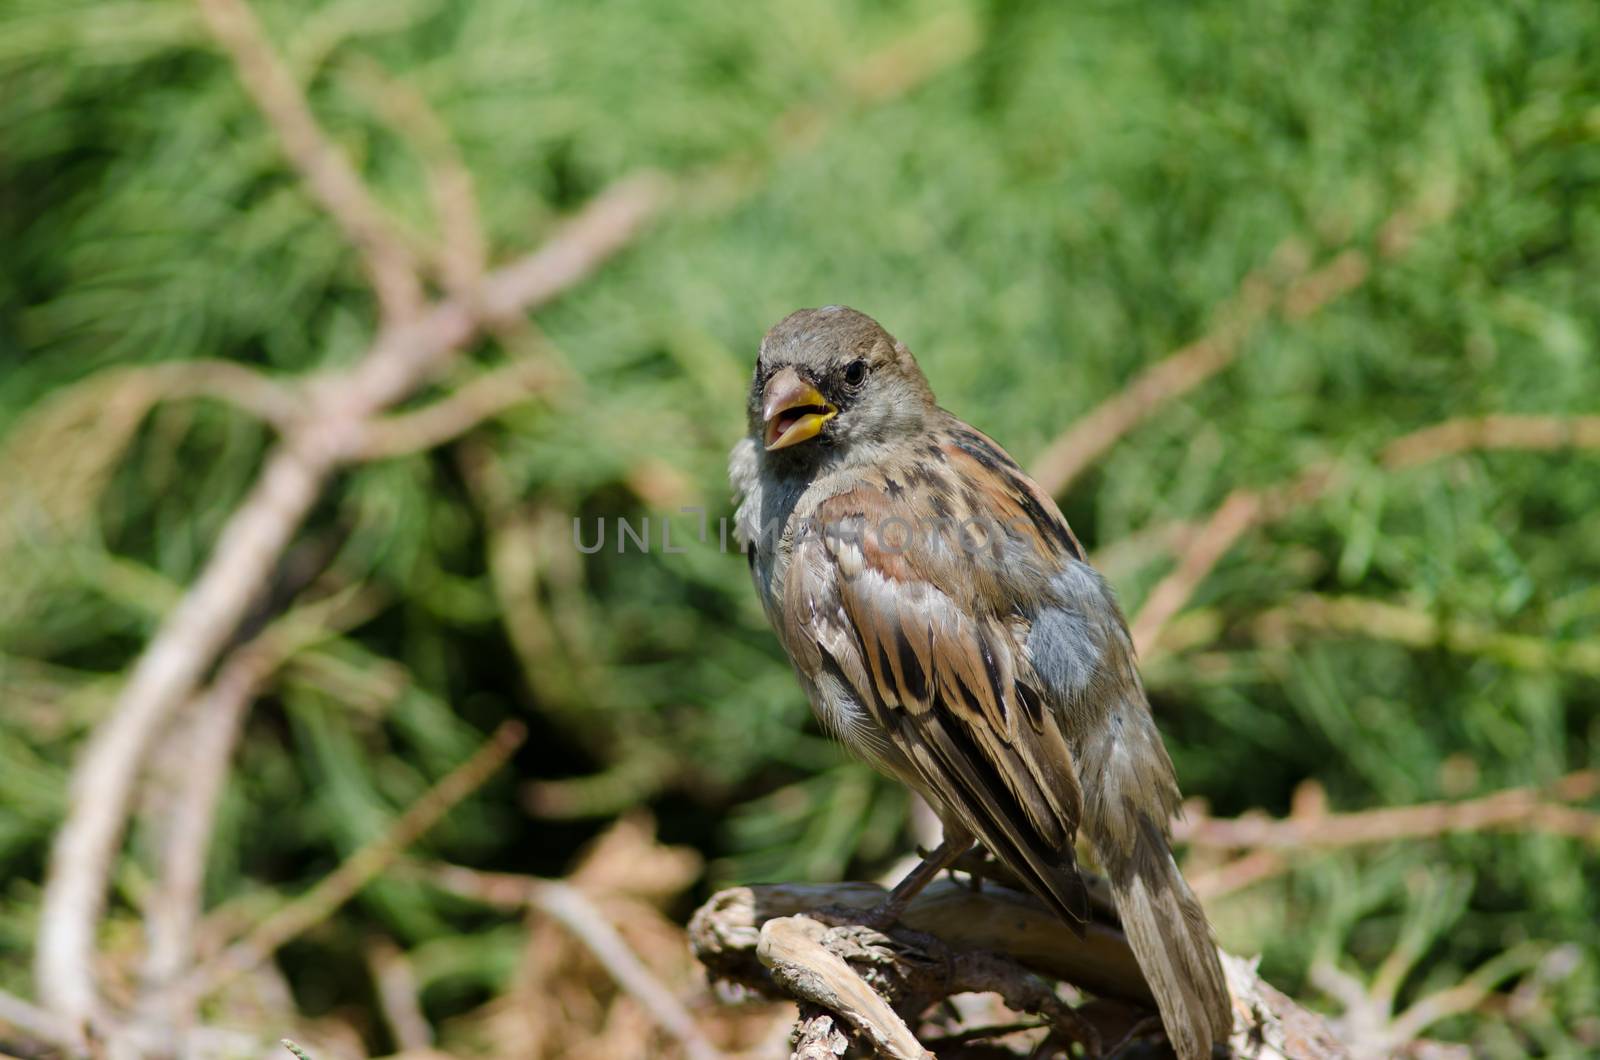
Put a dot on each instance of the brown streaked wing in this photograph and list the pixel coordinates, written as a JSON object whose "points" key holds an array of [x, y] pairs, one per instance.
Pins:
{"points": [[946, 681]]}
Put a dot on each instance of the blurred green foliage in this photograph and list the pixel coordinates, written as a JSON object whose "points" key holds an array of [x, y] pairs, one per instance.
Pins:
{"points": [[1068, 193]]}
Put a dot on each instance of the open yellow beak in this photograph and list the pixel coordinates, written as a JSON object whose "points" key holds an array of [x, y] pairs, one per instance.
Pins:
{"points": [[793, 410]]}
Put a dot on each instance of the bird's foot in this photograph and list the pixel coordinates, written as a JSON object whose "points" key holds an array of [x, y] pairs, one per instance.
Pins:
{"points": [[886, 913]]}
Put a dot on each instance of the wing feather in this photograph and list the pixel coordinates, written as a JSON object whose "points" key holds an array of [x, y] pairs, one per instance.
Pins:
{"points": [[948, 682]]}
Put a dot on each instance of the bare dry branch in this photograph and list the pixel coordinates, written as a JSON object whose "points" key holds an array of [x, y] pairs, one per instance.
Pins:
{"points": [[188, 640], [103, 779], [398, 997], [216, 719], [1245, 509], [329, 177], [35, 1022], [1523, 808], [1094, 433], [474, 402]]}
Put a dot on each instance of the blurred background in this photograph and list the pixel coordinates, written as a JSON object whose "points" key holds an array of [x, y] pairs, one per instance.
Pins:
{"points": [[1293, 306]]}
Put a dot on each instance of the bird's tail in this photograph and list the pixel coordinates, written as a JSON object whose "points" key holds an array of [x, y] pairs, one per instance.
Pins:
{"points": [[1169, 935]]}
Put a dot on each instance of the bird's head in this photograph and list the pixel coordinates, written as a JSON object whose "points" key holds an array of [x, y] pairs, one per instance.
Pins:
{"points": [[831, 385]]}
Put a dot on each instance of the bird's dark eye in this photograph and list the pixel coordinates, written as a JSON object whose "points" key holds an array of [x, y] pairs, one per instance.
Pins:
{"points": [[855, 373]]}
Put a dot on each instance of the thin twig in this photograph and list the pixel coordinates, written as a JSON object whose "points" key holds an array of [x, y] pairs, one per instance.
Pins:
{"points": [[1380, 619], [1094, 433], [1527, 808], [1240, 511], [476, 401], [463, 251], [1246, 509], [1284, 283], [236, 384], [216, 720], [360, 868], [1492, 432], [398, 996], [573, 910], [327, 174]]}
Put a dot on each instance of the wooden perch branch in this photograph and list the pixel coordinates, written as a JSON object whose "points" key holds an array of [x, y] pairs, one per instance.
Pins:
{"points": [[793, 950], [798, 940]]}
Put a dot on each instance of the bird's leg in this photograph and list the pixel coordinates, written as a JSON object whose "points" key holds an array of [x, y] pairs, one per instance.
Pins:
{"points": [[886, 912]]}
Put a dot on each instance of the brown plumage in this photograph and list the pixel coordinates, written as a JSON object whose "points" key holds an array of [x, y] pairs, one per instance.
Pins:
{"points": [[944, 624]]}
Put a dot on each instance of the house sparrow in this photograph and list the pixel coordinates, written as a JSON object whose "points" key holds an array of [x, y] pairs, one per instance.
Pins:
{"points": [[946, 627]]}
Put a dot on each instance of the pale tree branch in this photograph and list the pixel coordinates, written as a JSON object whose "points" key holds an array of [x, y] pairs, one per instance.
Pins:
{"points": [[100, 796], [196, 630], [482, 398], [1522, 808], [398, 991], [44, 1027], [209, 731], [463, 250]]}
